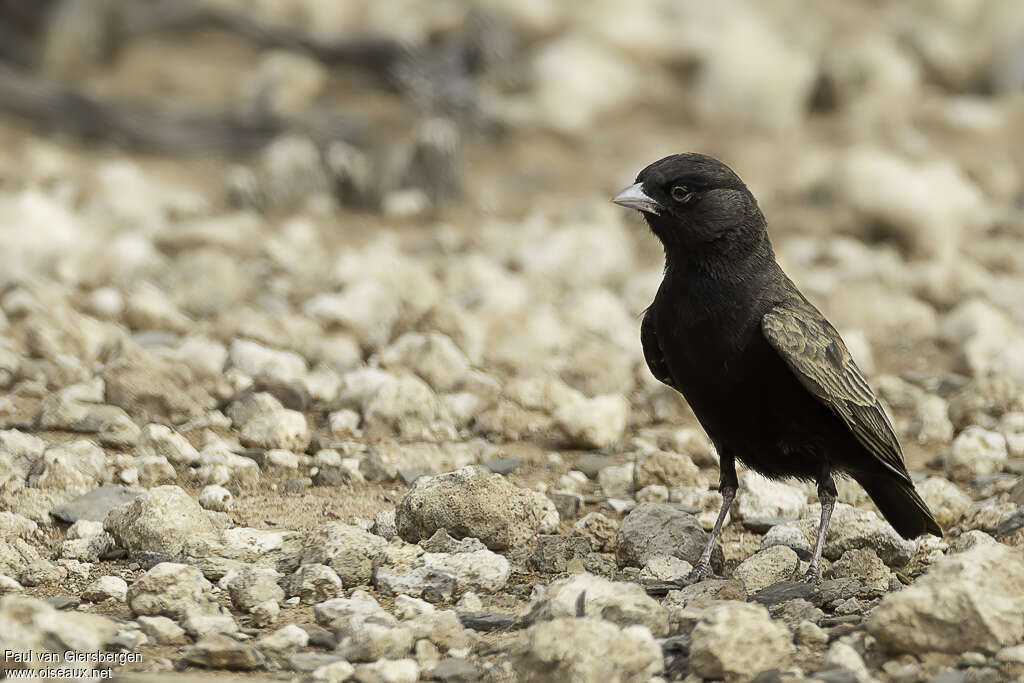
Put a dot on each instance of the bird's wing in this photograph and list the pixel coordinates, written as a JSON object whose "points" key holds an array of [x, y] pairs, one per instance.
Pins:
{"points": [[652, 351], [814, 351]]}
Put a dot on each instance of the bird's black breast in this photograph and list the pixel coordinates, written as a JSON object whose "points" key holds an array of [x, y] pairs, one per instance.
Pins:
{"points": [[743, 394]]}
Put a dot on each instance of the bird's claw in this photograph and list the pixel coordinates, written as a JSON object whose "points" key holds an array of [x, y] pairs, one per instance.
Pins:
{"points": [[813, 576], [699, 573]]}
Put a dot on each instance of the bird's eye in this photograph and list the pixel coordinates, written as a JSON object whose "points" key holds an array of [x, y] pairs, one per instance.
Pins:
{"points": [[681, 194]]}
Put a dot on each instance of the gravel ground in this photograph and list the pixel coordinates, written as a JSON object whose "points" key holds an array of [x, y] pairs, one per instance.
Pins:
{"points": [[316, 443]]}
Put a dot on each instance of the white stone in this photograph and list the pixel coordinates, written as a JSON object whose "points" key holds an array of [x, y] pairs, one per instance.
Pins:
{"points": [[622, 603], [976, 452], [738, 640], [258, 361], [759, 497], [106, 588], [753, 78], [928, 205], [215, 497], [284, 640], [582, 71], [596, 422], [159, 520], [160, 440], [970, 601]]}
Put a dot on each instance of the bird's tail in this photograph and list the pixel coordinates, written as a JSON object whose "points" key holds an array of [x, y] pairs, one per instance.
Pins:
{"points": [[901, 505]]}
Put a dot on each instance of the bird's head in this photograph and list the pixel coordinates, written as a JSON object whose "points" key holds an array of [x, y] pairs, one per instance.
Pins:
{"points": [[693, 200]]}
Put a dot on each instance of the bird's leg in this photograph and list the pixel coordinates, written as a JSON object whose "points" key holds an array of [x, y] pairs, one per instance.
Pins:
{"points": [[728, 483], [827, 495]]}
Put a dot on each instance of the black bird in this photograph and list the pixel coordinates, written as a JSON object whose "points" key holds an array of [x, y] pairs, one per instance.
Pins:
{"points": [[766, 374]]}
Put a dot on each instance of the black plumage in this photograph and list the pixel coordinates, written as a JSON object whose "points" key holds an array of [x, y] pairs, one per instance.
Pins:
{"points": [[766, 374]]}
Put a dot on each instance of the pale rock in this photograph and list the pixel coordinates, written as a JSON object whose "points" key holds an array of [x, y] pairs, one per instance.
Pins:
{"points": [[469, 602], [971, 539], [767, 567], [947, 502], [13, 524], [153, 470], [864, 566], [335, 672], [284, 640], [810, 634], [162, 631], [622, 603], [443, 629], [930, 423], [90, 549], [199, 623], [584, 71], [214, 497], [472, 502], [171, 590], [160, 440], [265, 613], [283, 84], [597, 422], [655, 493], [927, 206], [159, 520], [665, 568], [759, 497], [314, 583], [976, 452], [598, 529], [263, 363], [589, 649], [75, 467], [665, 468], [617, 481], [842, 655], [978, 331], [347, 549], [344, 424], [403, 670], [736, 640], [407, 408], [754, 78], [84, 528], [968, 601], [149, 308], [28, 624], [286, 429], [479, 570], [106, 588], [254, 585], [433, 356], [374, 641]]}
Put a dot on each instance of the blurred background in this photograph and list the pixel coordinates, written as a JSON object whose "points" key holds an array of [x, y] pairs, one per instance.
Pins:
{"points": [[319, 178], [393, 217]]}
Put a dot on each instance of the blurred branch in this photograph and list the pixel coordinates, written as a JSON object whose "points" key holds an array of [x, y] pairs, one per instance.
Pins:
{"points": [[438, 81], [438, 77], [376, 54], [15, 48], [58, 108]]}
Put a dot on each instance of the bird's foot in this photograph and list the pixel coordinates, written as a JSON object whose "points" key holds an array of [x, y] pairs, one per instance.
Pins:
{"points": [[699, 573], [813, 576]]}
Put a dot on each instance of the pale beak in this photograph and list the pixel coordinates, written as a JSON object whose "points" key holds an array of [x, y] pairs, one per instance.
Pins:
{"points": [[633, 197]]}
